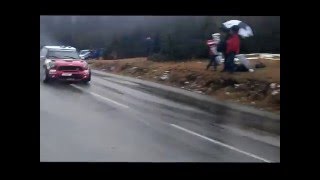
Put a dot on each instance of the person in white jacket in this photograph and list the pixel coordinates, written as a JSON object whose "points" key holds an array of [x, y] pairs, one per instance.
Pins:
{"points": [[215, 56]]}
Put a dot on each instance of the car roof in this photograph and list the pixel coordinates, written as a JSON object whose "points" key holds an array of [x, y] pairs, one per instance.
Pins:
{"points": [[60, 47]]}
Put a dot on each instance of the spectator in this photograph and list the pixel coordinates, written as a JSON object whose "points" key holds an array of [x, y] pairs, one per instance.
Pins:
{"points": [[244, 64], [213, 53], [149, 46], [232, 49], [223, 45]]}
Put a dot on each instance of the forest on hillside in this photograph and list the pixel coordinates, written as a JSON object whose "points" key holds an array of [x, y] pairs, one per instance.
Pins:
{"points": [[162, 37]]}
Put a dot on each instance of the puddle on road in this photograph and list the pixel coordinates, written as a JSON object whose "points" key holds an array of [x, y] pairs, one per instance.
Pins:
{"points": [[109, 88], [61, 86], [118, 81]]}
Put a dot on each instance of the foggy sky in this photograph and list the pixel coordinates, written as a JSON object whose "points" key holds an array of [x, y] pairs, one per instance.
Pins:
{"points": [[50, 26]]}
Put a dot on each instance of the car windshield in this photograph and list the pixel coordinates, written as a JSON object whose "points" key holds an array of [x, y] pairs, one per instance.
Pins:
{"points": [[63, 54]]}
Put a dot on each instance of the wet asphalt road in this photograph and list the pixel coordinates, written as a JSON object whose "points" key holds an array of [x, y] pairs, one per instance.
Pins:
{"points": [[115, 120]]}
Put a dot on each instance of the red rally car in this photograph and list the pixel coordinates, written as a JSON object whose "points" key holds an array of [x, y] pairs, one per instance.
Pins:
{"points": [[63, 64]]}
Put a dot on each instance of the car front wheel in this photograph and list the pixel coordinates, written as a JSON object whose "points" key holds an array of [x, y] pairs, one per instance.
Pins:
{"points": [[86, 81], [45, 77]]}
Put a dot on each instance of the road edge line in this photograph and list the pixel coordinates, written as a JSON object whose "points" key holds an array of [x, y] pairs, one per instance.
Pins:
{"points": [[221, 144]]}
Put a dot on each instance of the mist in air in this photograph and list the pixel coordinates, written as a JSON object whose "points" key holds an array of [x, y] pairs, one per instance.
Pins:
{"points": [[100, 31]]}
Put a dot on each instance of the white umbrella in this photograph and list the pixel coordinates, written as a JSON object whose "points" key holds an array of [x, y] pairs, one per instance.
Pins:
{"points": [[244, 29]]}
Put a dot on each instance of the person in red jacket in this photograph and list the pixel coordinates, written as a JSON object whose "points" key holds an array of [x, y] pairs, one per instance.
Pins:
{"points": [[232, 49]]}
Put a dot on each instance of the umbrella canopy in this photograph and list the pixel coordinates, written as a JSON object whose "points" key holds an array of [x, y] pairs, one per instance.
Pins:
{"points": [[244, 29]]}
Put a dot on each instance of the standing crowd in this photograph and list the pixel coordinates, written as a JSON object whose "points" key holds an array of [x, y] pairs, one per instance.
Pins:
{"points": [[227, 46]]}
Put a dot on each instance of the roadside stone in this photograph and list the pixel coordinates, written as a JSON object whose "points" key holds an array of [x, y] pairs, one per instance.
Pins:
{"points": [[209, 90], [181, 81], [199, 77], [275, 92], [273, 85], [133, 69], [243, 99], [191, 77], [193, 85], [164, 77], [241, 87]]}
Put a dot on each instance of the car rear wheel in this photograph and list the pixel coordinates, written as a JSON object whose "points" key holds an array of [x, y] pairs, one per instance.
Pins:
{"points": [[86, 82]]}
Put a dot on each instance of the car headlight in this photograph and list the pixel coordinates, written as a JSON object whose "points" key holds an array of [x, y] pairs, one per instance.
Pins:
{"points": [[86, 66], [51, 65]]}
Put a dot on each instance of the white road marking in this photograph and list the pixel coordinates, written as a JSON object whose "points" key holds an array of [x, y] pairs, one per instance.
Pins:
{"points": [[179, 127], [99, 96], [220, 143], [107, 99]]}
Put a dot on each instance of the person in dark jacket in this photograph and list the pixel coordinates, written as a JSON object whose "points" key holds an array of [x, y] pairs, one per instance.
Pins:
{"points": [[232, 49], [222, 46]]}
